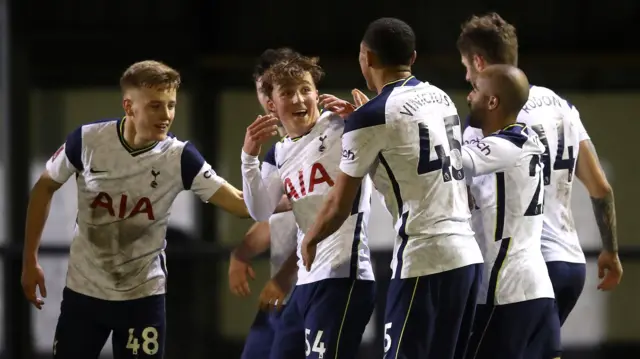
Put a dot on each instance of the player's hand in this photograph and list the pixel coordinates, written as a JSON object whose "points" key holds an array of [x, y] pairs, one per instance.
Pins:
{"points": [[359, 98], [609, 270], [272, 295], [239, 273], [263, 128], [32, 277], [336, 105], [308, 250]]}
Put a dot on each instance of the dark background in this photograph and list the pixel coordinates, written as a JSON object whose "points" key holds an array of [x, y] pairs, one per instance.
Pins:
{"points": [[61, 62]]}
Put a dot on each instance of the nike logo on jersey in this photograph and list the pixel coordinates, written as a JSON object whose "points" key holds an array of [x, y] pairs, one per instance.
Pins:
{"points": [[95, 171]]}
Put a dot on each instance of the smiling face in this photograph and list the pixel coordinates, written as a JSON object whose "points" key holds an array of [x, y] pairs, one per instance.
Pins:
{"points": [[294, 100], [152, 110]]}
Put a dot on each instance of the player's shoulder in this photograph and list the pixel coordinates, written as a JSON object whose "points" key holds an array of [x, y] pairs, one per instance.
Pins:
{"points": [[541, 103], [270, 156], [471, 135], [516, 134]]}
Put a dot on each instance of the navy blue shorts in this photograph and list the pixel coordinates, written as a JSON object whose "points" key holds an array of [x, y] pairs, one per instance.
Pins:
{"points": [[262, 333], [431, 316], [85, 323], [523, 330], [568, 282], [334, 313]]}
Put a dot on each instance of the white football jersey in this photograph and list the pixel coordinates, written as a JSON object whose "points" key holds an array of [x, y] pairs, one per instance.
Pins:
{"points": [[560, 129], [124, 202], [284, 237], [408, 139], [504, 172], [305, 169]]}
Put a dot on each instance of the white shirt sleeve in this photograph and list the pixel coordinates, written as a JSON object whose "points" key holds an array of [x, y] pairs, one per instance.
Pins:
{"points": [[197, 174], [577, 122], [261, 188], [364, 137], [67, 160], [492, 154]]}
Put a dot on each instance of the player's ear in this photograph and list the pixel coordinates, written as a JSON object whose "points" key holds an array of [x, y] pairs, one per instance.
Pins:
{"points": [[370, 58], [271, 106], [127, 105], [494, 101], [413, 58], [478, 62]]}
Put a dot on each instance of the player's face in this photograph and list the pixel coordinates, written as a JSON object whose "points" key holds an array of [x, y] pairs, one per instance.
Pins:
{"points": [[480, 102], [472, 68], [262, 98], [296, 101], [152, 110], [364, 66]]}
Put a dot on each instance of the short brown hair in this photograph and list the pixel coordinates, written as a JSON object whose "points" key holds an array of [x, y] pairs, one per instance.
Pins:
{"points": [[292, 69], [491, 37], [150, 73]]}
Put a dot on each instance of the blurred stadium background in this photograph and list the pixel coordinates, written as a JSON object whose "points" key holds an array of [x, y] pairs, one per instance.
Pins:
{"points": [[61, 61]]}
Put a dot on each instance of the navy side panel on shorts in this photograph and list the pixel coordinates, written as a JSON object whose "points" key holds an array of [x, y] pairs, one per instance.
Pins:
{"points": [[568, 282], [431, 316], [523, 330]]}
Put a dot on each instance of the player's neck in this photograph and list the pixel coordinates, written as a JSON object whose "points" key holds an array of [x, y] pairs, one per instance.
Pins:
{"points": [[495, 126], [387, 76], [131, 137]]}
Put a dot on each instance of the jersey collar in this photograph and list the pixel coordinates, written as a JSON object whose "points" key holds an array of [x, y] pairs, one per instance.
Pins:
{"points": [[409, 81], [132, 151]]}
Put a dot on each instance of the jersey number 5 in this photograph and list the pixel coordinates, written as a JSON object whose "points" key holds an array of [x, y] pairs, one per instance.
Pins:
{"points": [[443, 162], [560, 163]]}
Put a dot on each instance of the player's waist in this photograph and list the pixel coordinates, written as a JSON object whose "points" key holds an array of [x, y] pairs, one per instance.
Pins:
{"points": [[355, 221]]}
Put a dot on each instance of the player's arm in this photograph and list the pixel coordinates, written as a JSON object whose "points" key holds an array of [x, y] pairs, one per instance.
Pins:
{"points": [[262, 188], [256, 241], [201, 179], [363, 139], [492, 154], [590, 173], [66, 162]]}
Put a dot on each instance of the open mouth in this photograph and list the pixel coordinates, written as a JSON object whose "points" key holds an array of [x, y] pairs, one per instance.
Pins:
{"points": [[162, 127], [300, 113]]}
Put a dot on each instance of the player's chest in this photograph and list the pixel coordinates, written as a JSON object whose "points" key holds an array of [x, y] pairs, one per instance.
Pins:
{"points": [[310, 169], [149, 174]]}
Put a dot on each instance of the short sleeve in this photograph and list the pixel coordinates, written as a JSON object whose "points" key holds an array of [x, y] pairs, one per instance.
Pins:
{"points": [[365, 135], [197, 174], [577, 123], [67, 160], [494, 153]]}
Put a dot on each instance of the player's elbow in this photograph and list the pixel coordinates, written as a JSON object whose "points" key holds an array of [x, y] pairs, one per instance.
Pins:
{"points": [[600, 189], [45, 185]]}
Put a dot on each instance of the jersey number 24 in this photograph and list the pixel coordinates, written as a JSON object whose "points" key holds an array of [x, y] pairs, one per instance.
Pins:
{"points": [[443, 162]]}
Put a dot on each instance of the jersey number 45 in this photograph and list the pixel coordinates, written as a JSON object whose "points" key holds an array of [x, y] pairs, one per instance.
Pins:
{"points": [[443, 162]]}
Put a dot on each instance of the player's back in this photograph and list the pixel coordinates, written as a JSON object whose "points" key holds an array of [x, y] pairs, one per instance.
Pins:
{"points": [[508, 192], [558, 125], [124, 202], [419, 173], [308, 167]]}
